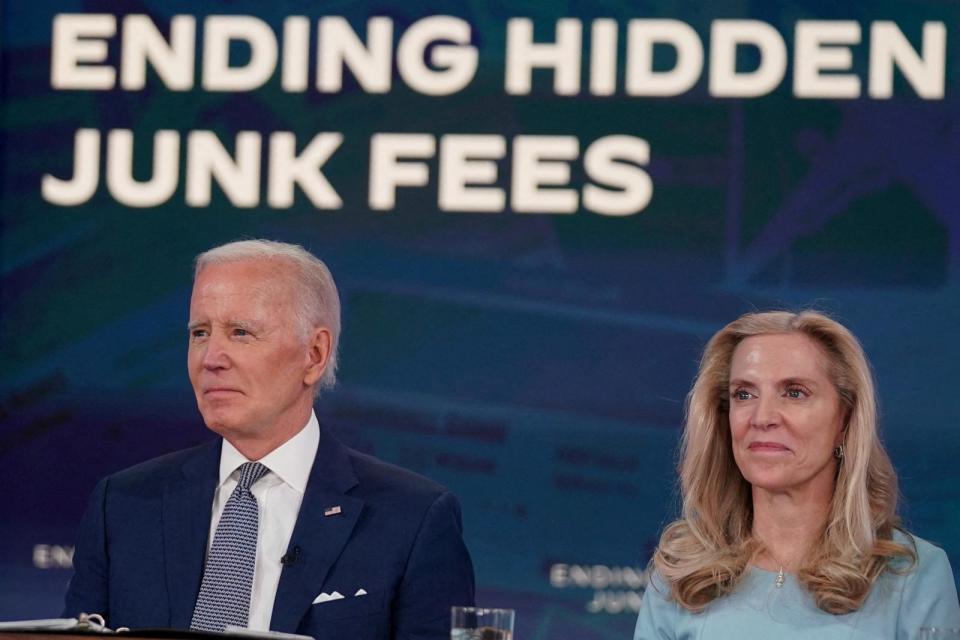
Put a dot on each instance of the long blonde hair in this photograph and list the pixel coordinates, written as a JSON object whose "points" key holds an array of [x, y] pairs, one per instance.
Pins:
{"points": [[705, 553]]}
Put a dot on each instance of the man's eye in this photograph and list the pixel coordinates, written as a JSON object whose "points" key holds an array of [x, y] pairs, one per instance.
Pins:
{"points": [[198, 333], [241, 332]]}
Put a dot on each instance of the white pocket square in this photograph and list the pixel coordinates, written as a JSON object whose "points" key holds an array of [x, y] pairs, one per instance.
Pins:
{"points": [[327, 597], [361, 592]]}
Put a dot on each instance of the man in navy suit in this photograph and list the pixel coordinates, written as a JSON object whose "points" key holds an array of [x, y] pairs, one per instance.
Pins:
{"points": [[346, 546]]}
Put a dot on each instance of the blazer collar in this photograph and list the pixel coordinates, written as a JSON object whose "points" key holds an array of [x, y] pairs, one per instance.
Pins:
{"points": [[186, 525], [319, 535]]}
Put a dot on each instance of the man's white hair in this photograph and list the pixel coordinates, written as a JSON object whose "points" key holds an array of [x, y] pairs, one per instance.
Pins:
{"points": [[316, 301]]}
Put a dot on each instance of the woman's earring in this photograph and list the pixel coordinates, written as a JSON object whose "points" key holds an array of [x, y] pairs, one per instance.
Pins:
{"points": [[838, 452]]}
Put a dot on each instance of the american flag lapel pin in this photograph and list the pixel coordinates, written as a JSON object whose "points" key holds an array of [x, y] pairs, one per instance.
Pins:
{"points": [[332, 511]]}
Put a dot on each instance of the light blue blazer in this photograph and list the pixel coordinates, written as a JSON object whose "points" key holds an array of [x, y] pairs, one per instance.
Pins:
{"points": [[898, 605]]}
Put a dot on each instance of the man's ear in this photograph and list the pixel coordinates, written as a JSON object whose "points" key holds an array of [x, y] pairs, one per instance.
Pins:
{"points": [[319, 346]]}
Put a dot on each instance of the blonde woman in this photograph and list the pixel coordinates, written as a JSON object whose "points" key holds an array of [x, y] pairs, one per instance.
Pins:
{"points": [[789, 526]]}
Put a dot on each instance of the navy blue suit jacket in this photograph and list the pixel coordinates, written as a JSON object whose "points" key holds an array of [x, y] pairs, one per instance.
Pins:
{"points": [[142, 543]]}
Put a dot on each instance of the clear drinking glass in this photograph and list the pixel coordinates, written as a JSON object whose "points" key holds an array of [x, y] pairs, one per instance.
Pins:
{"points": [[938, 633], [474, 623]]}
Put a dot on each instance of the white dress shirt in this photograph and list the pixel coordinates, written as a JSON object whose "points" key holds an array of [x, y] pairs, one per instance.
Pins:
{"points": [[279, 494]]}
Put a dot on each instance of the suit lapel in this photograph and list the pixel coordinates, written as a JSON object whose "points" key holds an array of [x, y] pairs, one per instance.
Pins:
{"points": [[186, 524], [320, 538]]}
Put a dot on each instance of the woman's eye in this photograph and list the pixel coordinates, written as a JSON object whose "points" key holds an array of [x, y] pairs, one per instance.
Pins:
{"points": [[796, 393], [741, 394]]}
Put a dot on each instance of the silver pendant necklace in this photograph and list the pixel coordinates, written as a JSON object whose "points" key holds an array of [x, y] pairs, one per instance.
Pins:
{"points": [[780, 578]]}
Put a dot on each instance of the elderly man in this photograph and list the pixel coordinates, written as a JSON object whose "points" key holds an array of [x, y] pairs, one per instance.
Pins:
{"points": [[276, 525]]}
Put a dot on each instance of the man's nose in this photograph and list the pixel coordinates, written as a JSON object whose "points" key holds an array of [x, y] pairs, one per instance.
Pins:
{"points": [[216, 354]]}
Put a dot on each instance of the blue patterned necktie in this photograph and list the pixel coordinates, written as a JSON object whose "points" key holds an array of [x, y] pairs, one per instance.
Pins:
{"points": [[228, 577]]}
